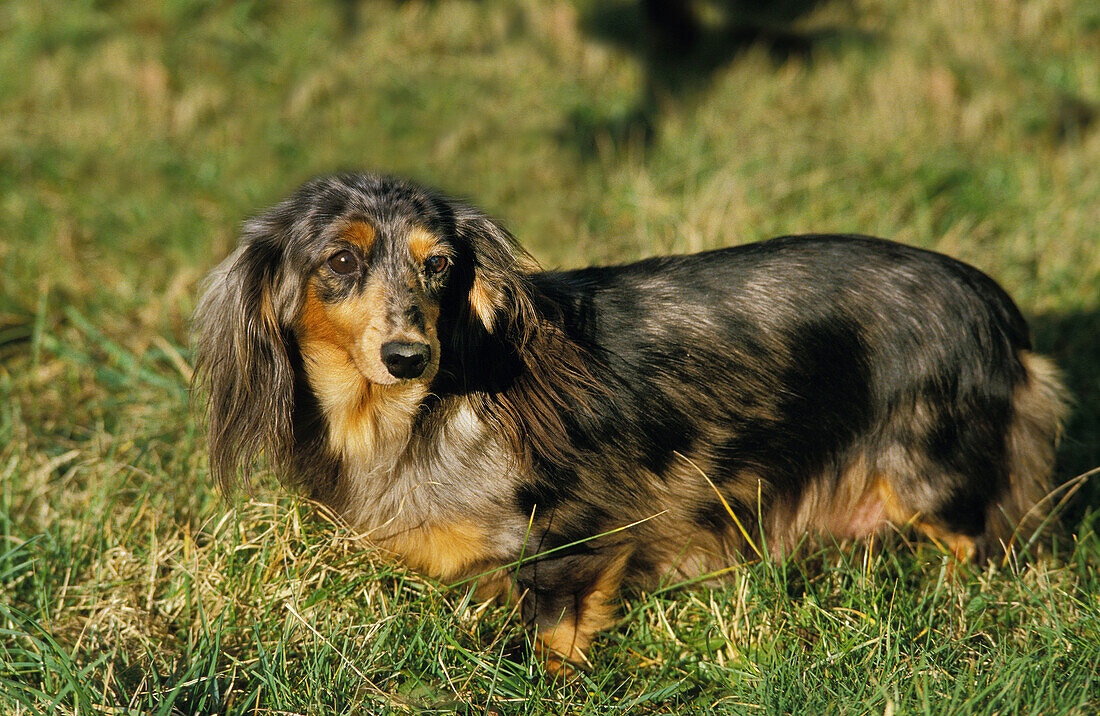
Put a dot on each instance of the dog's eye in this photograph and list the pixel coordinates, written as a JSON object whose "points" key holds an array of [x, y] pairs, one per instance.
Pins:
{"points": [[343, 262], [436, 264]]}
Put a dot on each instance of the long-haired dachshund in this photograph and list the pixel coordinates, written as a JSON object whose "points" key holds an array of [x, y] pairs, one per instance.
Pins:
{"points": [[558, 434]]}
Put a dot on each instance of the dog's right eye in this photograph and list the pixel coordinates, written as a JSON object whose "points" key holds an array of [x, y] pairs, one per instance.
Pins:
{"points": [[343, 262]]}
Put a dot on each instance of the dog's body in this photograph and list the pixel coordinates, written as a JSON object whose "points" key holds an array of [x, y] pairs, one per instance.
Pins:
{"points": [[401, 358]]}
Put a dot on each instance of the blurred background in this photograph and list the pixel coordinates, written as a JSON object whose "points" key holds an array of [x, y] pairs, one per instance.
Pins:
{"points": [[136, 136]]}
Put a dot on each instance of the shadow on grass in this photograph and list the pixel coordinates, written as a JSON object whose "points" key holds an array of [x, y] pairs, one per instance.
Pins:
{"points": [[1073, 341], [680, 48]]}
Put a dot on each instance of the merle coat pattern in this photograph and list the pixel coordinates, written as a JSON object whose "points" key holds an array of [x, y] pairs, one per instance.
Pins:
{"points": [[558, 434]]}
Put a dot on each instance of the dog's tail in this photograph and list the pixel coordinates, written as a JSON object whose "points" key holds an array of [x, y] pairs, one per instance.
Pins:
{"points": [[1022, 517]]}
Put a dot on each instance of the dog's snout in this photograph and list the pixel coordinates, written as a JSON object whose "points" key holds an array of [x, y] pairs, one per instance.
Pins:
{"points": [[406, 360]]}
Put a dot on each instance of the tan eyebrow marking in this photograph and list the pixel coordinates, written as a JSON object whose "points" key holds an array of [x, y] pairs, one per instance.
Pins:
{"points": [[361, 234], [423, 243]]}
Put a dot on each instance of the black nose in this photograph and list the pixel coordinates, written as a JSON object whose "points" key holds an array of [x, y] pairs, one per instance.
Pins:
{"points": [[405, 360]]}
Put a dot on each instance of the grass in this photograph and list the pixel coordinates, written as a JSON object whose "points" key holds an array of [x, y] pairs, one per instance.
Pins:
{"points": [[134, 137]]}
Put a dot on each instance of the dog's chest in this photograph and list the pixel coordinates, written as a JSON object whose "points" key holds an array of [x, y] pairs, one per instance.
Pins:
{"points": [[442, 502]]}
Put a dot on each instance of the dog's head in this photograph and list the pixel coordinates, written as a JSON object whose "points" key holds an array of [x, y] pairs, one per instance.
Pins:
{"points": [[349, 292]]}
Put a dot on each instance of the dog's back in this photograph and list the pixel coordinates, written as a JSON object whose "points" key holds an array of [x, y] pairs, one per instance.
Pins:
{"points": [[804, 384]]}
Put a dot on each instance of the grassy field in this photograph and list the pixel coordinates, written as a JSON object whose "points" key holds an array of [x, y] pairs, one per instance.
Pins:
{"points": [[134, 138]]}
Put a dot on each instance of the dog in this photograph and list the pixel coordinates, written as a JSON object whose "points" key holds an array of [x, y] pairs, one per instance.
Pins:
{"points": [[554, 435]]}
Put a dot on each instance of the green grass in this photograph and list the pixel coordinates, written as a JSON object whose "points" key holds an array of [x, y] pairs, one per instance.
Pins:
{"points": [[134, 137]]}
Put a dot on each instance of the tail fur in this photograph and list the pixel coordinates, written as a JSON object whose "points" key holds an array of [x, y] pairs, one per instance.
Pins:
{"points": [[1022, 518]]}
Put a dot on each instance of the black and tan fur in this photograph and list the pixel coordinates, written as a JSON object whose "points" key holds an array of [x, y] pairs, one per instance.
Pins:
{"points": [[399, 357]]}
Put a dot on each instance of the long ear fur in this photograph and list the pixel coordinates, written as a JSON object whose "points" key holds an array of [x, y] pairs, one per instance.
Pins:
{"points": [[244, 353], [500, 295], [550, 373]]}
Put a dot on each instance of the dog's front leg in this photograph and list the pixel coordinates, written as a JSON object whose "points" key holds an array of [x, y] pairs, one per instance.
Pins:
{"points": [[566, 600]]}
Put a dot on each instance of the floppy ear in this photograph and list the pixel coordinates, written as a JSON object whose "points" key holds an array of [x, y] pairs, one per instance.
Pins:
{"points": [[544, 373], [244, 353], [500, 294]]}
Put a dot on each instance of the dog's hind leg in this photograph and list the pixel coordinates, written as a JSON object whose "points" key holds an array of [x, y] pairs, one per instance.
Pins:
{"points": [[974, 474]]}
